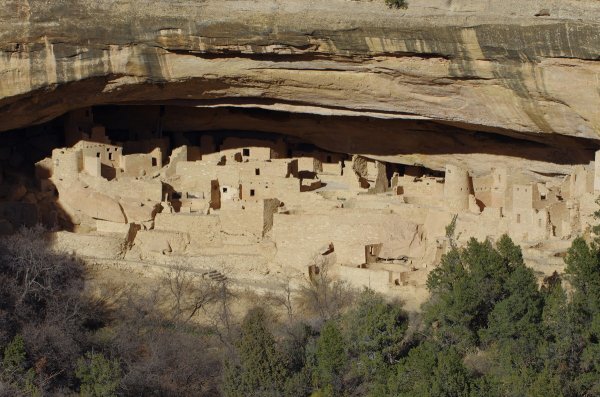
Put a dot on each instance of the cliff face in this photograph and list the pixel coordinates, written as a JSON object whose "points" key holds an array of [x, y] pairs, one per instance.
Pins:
{"points": [[462, 65]]}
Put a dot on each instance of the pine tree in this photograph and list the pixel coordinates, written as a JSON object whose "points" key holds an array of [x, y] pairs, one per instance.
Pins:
{"points": [[431, 371], [375, 329], [330, 359], [261, 366], [99, 376], [465, 288]]}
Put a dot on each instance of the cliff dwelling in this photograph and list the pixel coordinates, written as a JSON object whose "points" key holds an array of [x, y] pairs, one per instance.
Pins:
{"points": [[299, 198], [234, 138], [262, 192]]}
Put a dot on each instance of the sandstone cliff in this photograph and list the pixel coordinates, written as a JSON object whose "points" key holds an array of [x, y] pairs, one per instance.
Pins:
{"points": [[430, 75]]}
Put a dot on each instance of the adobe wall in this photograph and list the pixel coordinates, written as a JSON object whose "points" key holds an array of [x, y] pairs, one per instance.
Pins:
{"points": [[94, 246], [280, 168], [66, 163], [522, 196], [178, 154], [380, 183], [280, 188], [147, 146], [136, 165], [110, 155], [200, 206], [229, 192], [161, 242], [527, 223], [309, 164], [581, 181], [425, 187], [377, 280], [500, 186], [92, 166], [196, 186], [242, 218], [249, 149], [255, 149], [332, 168], [226, 175], [202, 229], [127, 188], [199, 169], [482, 189], [253, 217], [561, 218], [298, 236]]}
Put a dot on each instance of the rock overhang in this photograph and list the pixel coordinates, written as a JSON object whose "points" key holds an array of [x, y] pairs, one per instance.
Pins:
{"points": [[463, 66]]}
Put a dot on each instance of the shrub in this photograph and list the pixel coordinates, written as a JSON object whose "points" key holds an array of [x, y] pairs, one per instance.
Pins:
{"points": [[99, 376], [397, 4]]}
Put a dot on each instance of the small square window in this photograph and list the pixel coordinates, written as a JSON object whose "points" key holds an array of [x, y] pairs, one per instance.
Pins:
{"points": [[98, 154], [224, 190], [251, 192], [245, 152], [110, 157], [154, 162], [257, 171]]}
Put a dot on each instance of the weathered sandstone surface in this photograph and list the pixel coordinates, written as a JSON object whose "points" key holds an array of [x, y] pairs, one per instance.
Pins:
{"points": [[468, 81]]}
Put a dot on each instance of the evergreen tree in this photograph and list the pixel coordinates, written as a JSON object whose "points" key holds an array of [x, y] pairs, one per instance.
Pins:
{"points": [[99, 376], [431, 371], [514, 323], [466, 287], [560, 346], [330, 360], [14, 356], [583, 269], [14, 368], [374, 330], [261, 370], [546, 384]]}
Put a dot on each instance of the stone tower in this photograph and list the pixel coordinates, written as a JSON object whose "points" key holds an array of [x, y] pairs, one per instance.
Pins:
{"points": [[457, 187]]}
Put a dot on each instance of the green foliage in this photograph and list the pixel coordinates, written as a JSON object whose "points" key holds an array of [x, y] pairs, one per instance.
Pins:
{"points": [[375, 330], [465, 288], [396, 4], [99, 376], [14, 368], [583, 268], [330, 357], [14, 356], [451, 231], [261, 369], [545, 384], [558, 327], [430, 371], [488, 330], [517, 318]]}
